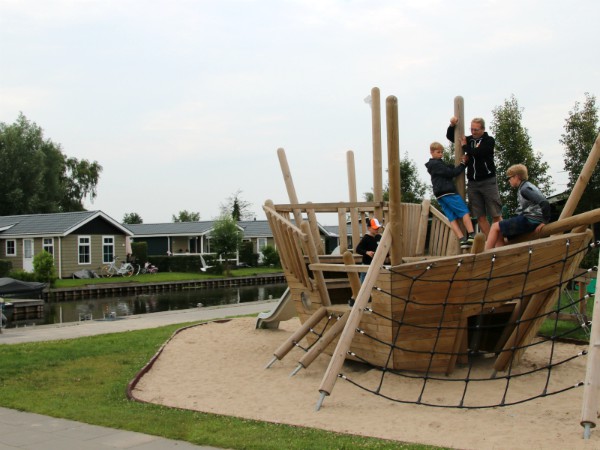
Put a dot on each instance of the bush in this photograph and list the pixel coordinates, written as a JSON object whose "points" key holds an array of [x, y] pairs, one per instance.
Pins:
{"points": [[139, 252], [5, 267], [43, 267], [20, 274], [270, 256]]}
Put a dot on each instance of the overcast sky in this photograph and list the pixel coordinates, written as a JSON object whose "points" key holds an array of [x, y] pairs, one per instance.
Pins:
{"points": [[183, 103]]}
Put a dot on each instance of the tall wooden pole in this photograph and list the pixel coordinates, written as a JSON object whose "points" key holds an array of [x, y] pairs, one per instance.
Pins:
{"points": [[395, 210], [353, 196], [583, 180], [459, 133], [377, 158], [289, 184]]}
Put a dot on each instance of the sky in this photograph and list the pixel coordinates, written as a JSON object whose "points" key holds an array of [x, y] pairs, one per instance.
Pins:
{"points": [[184, 103]]}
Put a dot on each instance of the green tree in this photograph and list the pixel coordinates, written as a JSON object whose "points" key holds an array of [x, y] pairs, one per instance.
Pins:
{"points": [[581, 130], [36, 177], [226, 239], [132, 218], [186, 216], [412, 189], [238, 208], [513, 146]]}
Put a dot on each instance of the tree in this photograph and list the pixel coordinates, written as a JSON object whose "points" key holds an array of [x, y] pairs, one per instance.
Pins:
{"points": [[36, 177], [513, 146], [412, 189], [186, 216], [43, 267], [132, 218], [225, 239], [581, 130], [238, 208]]}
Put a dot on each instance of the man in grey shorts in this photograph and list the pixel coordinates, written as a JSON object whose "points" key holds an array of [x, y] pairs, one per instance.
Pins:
{"points": [[482, 189]]}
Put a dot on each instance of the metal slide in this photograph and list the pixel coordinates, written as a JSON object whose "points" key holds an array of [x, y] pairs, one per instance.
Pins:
{"points": [[284, 310]]}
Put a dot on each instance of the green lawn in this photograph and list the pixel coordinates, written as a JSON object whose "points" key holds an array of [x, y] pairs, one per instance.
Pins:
{"points": [[164, 277], [85, 380]]}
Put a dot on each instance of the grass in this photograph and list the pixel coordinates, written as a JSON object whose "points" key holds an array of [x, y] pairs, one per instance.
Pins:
{"points": [[163, 277], [565, 328], [85, 379]]}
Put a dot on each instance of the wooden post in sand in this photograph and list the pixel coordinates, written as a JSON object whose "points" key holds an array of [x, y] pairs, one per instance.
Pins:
{"points": [[589, 409], [289, 184], [459, 133], [377, 159], [583, 180], [343, 345], [395, 204]]}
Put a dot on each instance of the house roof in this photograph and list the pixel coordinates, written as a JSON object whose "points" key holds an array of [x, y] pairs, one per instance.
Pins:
{"points": [[251, 228], [54, 224], [170, 229]]}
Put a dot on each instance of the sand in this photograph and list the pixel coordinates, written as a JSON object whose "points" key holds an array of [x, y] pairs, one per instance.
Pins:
{"points": [[219, 368]]}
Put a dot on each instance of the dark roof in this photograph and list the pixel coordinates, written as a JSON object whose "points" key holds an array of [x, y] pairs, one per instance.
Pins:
{"points": [[251, 228], [170, 229], [55, 224]]}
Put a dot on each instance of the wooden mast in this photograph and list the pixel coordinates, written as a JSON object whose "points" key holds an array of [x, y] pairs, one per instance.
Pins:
{"points": [[289, 184], [395, 209], [459, 133], [353, 196], [377, 159]]}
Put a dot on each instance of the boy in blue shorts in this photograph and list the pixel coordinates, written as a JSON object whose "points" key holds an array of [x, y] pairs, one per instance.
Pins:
{"points": [[532, 214], [453, 205]]}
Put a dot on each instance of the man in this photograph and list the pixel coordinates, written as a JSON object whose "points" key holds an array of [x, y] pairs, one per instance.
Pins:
{"points": [[482, 189]]}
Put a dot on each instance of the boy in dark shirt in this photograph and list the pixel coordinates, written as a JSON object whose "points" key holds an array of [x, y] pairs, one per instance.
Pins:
{"points": [[453, 205]]}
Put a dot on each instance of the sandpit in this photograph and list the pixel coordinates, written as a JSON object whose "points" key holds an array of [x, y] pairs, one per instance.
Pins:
{"points": [[219, 368]]}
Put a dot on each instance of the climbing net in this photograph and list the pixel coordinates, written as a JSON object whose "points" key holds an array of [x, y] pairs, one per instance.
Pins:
{"points": [[477, 380]]}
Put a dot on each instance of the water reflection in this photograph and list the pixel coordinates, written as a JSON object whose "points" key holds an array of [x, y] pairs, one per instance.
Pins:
{"points": [[115, 307]]}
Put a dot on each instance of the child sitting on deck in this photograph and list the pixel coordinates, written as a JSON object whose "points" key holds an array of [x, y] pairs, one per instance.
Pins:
{"points": [[533, 211], [453, 205]]}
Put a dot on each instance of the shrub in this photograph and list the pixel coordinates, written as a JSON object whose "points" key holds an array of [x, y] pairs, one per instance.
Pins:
{"points": [[20, 274], [5, 267], [270, 256], [43, 267]]}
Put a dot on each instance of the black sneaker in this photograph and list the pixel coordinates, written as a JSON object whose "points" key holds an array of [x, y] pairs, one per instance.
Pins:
{"points": [[464, 242], [471, 238], [351, 302]]}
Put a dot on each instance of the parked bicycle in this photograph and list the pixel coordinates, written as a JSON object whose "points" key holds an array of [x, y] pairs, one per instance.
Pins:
{"points": [[149, 268], [125, 269]]}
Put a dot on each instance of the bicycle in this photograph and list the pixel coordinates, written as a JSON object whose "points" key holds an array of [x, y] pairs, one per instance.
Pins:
{"points": [[126, 269], [149, 268]]}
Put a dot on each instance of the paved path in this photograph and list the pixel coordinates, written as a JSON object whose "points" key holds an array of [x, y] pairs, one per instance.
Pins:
{"points": [[21, 430]]}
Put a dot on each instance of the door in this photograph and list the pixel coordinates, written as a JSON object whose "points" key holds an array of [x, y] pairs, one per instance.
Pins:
{"points": [[28, 255]]}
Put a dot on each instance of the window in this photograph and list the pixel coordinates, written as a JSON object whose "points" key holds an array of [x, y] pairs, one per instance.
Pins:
{"points": [[108, 249], [84, 250], [48, 245], [11, 248], [261, 243]]}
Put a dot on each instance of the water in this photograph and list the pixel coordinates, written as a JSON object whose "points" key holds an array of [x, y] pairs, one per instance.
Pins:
{"points": [[120, 306]]}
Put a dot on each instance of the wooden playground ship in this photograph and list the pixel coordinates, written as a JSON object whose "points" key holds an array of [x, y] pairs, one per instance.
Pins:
{"points": [[431, 300]]}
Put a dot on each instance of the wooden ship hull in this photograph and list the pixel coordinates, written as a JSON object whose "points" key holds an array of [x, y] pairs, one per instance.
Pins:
{"points": [[425, 304]]}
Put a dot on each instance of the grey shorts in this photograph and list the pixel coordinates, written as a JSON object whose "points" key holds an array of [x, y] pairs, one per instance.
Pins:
{"points": [[484, 199]]}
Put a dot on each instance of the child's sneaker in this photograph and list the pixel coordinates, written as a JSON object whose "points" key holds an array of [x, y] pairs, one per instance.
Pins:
{"points": [[464, 242], [470, 238]]}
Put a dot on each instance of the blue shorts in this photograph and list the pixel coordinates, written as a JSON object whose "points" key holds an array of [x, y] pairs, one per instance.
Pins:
{"points": [[517, 225], [454, 206]]}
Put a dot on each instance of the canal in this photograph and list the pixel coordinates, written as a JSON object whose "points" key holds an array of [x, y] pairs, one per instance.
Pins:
{"points": [[125, 305]]}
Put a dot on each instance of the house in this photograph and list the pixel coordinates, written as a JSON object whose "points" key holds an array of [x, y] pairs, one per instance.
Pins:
{"points": [[83, 240], [194, 237]]}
